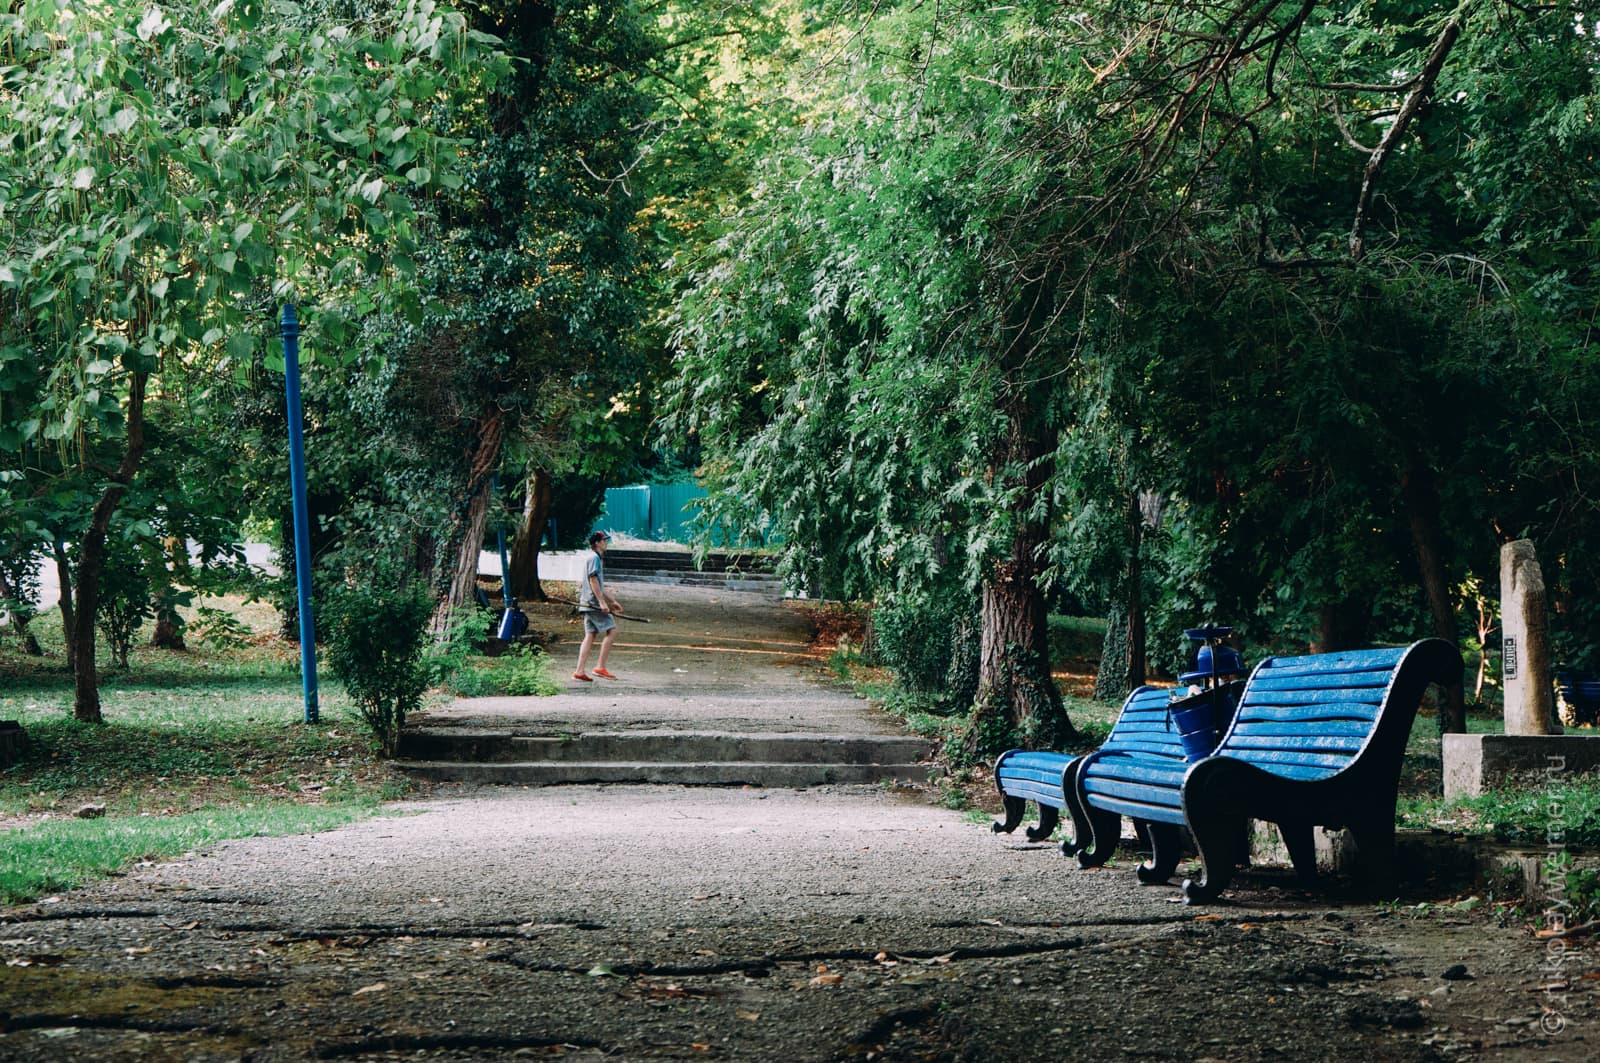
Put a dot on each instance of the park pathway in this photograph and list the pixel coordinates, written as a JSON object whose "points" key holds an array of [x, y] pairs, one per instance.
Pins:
{"points": [[645, 922], [716, 688]]}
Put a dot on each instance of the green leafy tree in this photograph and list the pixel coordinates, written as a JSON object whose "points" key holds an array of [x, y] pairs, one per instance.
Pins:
{"points": [[158, 167]]}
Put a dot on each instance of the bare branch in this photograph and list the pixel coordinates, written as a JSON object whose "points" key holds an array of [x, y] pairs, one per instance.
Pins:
{"points": [[1408, 110]]}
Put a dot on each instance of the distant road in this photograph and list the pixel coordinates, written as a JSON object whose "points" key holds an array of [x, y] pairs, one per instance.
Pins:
{"points": [[562, 565], [259, 555]]}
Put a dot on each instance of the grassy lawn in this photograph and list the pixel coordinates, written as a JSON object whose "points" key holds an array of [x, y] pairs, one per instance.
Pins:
{"points": [[197, 746]]}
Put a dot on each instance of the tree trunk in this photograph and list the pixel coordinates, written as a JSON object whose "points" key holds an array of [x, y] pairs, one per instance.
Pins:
{"points": [[91, 559], [1136, 634], [464, 578], [64, 580], [1342, 625], [19, 622], [168, 634], [1017, 698], [1422, 511], [537, 500], [1110, 682], [473, 518]]}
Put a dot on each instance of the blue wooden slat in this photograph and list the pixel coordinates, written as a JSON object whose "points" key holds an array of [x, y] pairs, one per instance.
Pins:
{"points": [[1139, 810], [1339, 726], [1010, 779], [1172, 749], [1161, 772], [1160, 726], [1035, 761], [1154, 796], [1369, 697], [1349, 710], [1311, 743], [1351, 660], [1039, 795], [1324, 681]]}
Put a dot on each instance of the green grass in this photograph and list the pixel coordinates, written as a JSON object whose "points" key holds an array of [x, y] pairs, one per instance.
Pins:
{"points": [[62, 854], [1076, 637], [196, 746], [1522, 815]]}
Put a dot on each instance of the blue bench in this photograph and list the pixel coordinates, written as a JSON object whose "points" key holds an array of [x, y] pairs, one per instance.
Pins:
{"points": [[1048, 779], [1316, 741]]}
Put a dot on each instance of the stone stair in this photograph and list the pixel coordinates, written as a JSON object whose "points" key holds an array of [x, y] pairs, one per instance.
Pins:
{"points": [[674, 757]]}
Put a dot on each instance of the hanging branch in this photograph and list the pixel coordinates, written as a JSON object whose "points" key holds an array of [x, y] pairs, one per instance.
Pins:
{"points": [[1421, 90]]}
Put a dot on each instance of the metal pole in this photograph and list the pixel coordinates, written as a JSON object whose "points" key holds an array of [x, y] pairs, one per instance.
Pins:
{"points": [[302, 530]]}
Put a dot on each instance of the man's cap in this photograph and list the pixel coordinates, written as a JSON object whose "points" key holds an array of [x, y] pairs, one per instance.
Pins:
{"points": [[598, 536]]}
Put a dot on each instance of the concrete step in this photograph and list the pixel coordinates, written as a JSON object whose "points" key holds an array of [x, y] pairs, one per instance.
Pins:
{"points": [[683, 561], [764, 584], [664, 747], [557, 773]]}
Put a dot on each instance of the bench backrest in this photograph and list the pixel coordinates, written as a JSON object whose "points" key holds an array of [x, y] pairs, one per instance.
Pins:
{"points": [[1311, 717], [1144, 727]]}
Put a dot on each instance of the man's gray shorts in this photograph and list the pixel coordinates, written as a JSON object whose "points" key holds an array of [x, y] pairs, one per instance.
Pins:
{"points": [[598, 623]]}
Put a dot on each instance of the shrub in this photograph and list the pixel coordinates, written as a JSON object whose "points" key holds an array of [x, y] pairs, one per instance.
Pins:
{"points": [[124, 597], [530, 675], [377, 634], [220, 628], [931, 643]]}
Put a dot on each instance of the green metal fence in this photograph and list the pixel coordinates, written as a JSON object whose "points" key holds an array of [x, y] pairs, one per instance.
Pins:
{"points": [[658, 512]]}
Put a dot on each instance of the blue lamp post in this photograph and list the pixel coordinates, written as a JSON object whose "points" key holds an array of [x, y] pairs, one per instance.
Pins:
{"points": [[297, 489]]}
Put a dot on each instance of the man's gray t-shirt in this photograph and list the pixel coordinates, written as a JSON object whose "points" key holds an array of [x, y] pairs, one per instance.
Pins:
{"points": [[591, 567]]}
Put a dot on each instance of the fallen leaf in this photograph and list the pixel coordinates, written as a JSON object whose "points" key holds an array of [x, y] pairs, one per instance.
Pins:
{"points": [[602, 970], [827, 979], [1249, 926], [139, 951], [748, 1016], [375, 987], [699, 1046], [1207, 918]]}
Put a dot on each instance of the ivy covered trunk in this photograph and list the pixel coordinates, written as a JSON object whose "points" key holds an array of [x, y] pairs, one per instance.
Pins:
{"points": [[1017, 699], [472, 518], [536, 507]]}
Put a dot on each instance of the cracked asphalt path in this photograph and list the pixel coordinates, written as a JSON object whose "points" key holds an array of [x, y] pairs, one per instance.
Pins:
{"points": [[647, 922]]}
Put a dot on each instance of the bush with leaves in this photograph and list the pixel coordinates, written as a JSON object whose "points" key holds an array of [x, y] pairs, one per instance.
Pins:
{"points": [[124, 597], [930, 642], [377, 636]]}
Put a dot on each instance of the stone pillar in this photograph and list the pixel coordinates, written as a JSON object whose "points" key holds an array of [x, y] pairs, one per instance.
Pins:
{"points": [[1525, 661]]}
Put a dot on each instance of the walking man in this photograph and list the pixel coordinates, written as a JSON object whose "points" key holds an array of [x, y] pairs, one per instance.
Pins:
{"points": [[596, 604]]}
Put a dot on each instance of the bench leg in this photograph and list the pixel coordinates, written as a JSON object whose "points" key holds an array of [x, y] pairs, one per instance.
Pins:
{"points": [[1082, 832], [1217, 838], [1105, 831], [1299, 839], [1166, 842], [1049, 816], [1016, 808]]}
